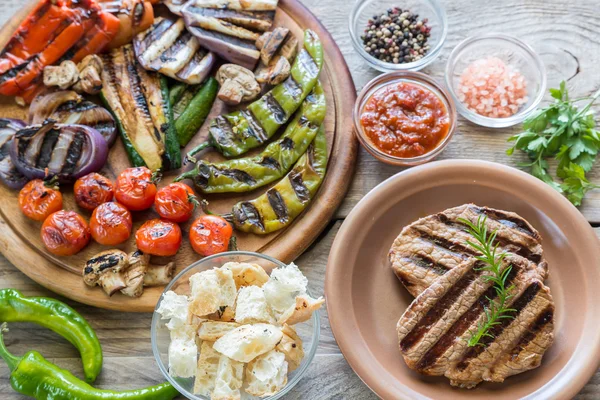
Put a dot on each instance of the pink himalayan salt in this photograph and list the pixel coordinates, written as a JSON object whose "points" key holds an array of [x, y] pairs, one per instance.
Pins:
{"points": [[491, 88]]}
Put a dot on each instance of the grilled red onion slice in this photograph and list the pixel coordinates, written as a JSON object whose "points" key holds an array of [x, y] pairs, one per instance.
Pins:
{"points": [[66, 151], [68, 107], [9, 175]]}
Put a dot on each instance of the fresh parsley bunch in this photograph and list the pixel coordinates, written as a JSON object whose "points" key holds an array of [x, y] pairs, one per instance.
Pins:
{"points": [[566, 133]]}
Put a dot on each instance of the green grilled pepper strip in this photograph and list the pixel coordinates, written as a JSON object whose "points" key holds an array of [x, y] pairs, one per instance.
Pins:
{"points": [[195, 113], [172, 156], [238, 132], [32, 375], [281, 204], [58, 317], [246, 174]]}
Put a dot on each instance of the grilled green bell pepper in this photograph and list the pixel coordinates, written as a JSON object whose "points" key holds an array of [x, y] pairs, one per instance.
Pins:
{"points": [[281, 204], [236, 133], [57, 316], [246, 174], [34, 376]]}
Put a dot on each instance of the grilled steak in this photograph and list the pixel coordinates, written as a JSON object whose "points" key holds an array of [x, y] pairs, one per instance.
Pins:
{"points": [[434, 245], [434, 331]]}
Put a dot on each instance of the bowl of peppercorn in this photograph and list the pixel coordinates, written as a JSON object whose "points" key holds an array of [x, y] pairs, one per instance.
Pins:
{"points": [[398, 35]]}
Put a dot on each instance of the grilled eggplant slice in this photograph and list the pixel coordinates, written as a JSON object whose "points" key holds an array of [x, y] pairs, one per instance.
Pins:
{"points": [[68, 107], [230, 28], [139, 100], [9, 175], [167, 47]]}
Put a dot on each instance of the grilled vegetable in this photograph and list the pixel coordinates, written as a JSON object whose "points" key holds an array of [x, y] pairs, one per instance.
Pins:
{"points": [[167, 47], [67, 107], [65, 151], [39, 199], [211, 234], [176, 6], [134, 16], [53, 32], [195, 113], [240, 131], [245, 174], [159, 238], [237, 84], [279, 66], [9, 175], [135, 188], [175, 93], [139, 100], [230, 28], [281, 204], [65, 233], [92, 190], [111, 224]]}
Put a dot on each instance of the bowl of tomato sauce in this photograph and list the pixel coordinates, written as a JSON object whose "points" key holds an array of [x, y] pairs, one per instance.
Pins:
{"points": [[404, 118]]}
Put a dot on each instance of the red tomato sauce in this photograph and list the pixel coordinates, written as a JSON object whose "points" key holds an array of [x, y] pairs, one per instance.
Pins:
{"points": [[405, 120]]}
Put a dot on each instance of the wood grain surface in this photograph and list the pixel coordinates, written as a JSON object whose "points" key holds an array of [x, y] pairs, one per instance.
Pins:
{"points": [[567, 35]]}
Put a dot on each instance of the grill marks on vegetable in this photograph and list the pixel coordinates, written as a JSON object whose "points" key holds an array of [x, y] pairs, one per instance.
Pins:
{"points": [[442, 238]]}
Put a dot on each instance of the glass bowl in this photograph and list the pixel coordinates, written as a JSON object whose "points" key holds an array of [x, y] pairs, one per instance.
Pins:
{"points": [[513, 52], [308, 331], [390, 78], [364, 10]]}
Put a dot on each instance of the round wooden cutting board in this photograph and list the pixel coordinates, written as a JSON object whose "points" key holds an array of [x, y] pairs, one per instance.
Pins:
{"points": [[20, 240]]}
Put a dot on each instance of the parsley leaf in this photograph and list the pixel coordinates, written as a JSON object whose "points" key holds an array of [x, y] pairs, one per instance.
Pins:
{"points": [[566, 133]]}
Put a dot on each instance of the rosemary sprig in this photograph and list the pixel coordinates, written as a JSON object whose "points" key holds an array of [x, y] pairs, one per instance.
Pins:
{"points": [[498, 309]]}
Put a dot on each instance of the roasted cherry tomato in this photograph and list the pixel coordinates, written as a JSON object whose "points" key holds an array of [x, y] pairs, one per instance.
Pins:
{"points": [[136, 188], [111, 224], [38, 199], [159, 238], [92, 190], [210, 234], [65, 233], [175, 202]]}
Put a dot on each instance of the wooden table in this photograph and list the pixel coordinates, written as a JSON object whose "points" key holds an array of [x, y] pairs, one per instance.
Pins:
{"points": [[566, 35]]}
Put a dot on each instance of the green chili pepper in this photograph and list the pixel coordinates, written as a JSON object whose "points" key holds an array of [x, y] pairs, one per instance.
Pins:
{"points": [[240, 131], [281, 204], [59, 317], [34, 376], [245, 174]]}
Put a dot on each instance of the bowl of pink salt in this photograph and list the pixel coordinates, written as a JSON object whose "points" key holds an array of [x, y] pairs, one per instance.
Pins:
{"points": [[495, 80]]}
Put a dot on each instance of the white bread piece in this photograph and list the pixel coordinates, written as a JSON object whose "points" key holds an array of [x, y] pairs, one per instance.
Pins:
{"points": [[301, 311], [291, 347], [284, 284], [246, 274], [252, 307], [206, 370], [174, 307], [247, 342], [227, 286], [213, 330], [211, 290], [266, 374], [183, 355], [230, 375], [225, 314]]}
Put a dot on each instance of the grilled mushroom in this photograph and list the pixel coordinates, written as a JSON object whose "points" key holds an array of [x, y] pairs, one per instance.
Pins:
{"points": [[115, 271], [159, 275], [90, 75], [64, 75], [279, 66], [270, 42], [105, 269], [237, 84]]}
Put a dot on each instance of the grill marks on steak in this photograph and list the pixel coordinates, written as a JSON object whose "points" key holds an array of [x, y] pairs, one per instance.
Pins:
{"points": [[435, 329], [441, 240]]}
